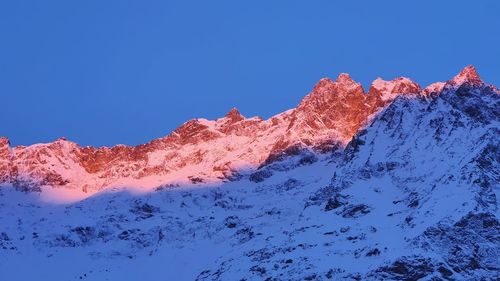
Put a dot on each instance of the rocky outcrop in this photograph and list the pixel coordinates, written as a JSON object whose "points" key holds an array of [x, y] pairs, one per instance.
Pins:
{"points": [[5, 159]]}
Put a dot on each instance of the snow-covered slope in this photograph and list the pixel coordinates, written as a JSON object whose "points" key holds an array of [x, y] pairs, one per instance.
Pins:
{"points": [[407, 191]]}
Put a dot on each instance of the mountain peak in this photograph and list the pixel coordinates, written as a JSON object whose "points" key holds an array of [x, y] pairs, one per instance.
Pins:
{"points": [[343, 81], [468, 74], [389, 90], [345, 78], [234, 115], [345, 84], [433, 88], [327, 91], [4, 141], [323, 83]]}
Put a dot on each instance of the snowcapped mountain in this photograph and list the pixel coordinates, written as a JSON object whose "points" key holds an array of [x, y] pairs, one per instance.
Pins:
{"points": [[398, 183], [203, 150]]}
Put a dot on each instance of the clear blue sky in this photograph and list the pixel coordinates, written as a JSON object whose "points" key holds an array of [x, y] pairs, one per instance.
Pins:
{"points": [[108, 72]]}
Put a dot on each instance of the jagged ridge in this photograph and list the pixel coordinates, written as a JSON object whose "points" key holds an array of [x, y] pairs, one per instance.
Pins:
{"points": [[210, 151]]}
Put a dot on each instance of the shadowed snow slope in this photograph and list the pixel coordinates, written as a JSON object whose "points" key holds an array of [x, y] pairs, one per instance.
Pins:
{"points": [[397, 184]]}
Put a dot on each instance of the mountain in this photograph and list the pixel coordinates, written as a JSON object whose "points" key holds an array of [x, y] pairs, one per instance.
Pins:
{"points": [[397, 183], [203, 150]]}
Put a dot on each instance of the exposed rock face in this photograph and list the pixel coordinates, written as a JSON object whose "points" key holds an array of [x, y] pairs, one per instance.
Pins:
{"points": [[234, 116], [5, 159], [326, 119], [332, 111]]}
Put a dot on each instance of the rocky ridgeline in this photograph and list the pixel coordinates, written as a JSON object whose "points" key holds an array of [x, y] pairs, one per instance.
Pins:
{"points": [[213, 151]]}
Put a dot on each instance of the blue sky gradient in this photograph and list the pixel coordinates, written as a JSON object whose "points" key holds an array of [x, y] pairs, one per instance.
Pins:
{"points": [[109, 72]]}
